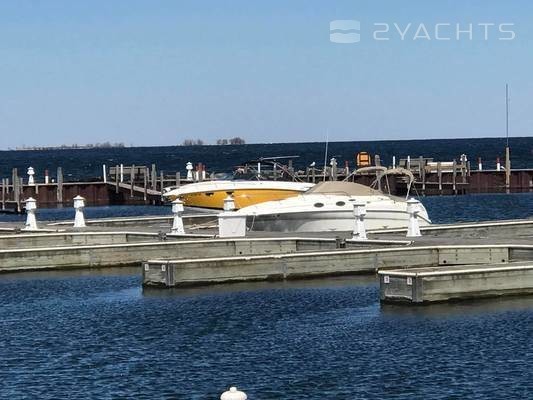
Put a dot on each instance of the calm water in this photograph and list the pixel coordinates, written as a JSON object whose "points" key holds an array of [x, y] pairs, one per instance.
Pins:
{"points": [[83, 335], [85, 164]]}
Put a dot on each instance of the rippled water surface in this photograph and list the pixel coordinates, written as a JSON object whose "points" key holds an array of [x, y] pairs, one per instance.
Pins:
{"points": [[98, 335]]}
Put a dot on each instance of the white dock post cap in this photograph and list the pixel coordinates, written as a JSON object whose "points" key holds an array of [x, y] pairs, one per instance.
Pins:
{"points": [[31, 221], [229, 203], [233, 394], [177, 206], [79, 217], [79, 202], [31, 172], [189, 169], [413, 228]]}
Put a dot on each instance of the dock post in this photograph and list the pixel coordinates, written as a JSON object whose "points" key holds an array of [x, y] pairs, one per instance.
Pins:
{"points": [[178, 179], [393, 161], [439, 173], [79, 217], [189, 169], [31, 179], [154, 177], [313, 174], [16, 189], [423, 174], [413, 209], [177, 222], [121, 173], [498, 165], [162, 180], [333, 163], [3, 194], [46, 177], [479, 165], [507, 169], [454, 177], [377, 160], [409, 163], [233, 394], [104, 173], [31, 221], [359, 212], [116, 178], [132, 180], [145, 183], [60, 185]]}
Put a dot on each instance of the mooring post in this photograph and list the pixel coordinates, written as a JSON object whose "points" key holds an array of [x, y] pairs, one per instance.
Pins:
{"points": [[79, 217], [132, 179], [333, 163], [3, 194], [162, 180], [145, 184], [507, 169], [439, 174], [498, 165], [359, 213], [189, 169], [177, 222], [121, 173], [479, 165], [116, 178], [454, 177], [178, 179], [16, 189], [46, 177], [393, 161], [154, 177], [413, 209], [409, 163], [60, 185], [31, 220], [233, 394], [31, 173], [104, 173]]}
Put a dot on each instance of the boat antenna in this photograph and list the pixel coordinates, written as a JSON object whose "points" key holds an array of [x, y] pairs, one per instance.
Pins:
{"points": [[326, 153]]}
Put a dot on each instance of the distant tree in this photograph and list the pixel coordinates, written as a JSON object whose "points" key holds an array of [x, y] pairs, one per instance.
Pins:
{"points": [[192, 142], [237, 140]]}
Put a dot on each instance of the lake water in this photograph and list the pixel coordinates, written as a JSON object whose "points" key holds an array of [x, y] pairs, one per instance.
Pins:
{"points": [[81, 335]]}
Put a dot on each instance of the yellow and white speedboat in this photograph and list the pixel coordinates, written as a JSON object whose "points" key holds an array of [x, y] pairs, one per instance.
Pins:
{"points": [[211, 194]]}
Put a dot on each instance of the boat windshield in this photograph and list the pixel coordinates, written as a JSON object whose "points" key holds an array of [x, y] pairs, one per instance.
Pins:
{"points": [[344, 188]]}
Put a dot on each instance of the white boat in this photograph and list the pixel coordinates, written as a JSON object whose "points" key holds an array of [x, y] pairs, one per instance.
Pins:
{"points": [[328, 207]]}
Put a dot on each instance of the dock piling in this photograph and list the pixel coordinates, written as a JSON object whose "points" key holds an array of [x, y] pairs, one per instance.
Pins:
{"points": [[31, 220], [413, 208], [359, 212], [177, 222], [79, 217]]}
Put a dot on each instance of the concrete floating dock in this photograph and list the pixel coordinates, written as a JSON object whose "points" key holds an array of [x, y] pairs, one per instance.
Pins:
{"points": [[427, 285], [307, 264]]}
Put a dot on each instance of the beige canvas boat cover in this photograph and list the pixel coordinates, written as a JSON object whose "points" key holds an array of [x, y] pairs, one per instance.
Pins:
{"points": [[345, 188]]}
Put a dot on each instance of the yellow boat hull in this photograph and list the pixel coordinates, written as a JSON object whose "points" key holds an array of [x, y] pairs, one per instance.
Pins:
{"points": [[242, 198]]}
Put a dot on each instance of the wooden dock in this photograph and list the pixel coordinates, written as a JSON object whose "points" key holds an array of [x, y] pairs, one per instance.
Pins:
{"points": [[135, 185]]}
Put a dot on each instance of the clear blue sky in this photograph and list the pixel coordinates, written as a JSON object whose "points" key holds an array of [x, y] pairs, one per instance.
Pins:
{"points": [[157, 72]]}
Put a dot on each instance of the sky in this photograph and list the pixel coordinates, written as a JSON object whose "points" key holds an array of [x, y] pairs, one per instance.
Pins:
{"points": [[157, 72]]}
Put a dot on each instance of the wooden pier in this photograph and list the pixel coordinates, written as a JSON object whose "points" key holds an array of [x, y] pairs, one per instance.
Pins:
{"points": [[133, 185]]}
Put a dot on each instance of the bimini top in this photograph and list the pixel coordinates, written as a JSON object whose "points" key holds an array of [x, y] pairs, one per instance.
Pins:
{"points": [[343, 188]]}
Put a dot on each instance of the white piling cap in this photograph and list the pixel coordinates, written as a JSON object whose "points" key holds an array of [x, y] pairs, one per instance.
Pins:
{"points": [[79, 201], [233, 394], [229, 203], [31, 203], [31, 171], [177, 206], [189, 165]]}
